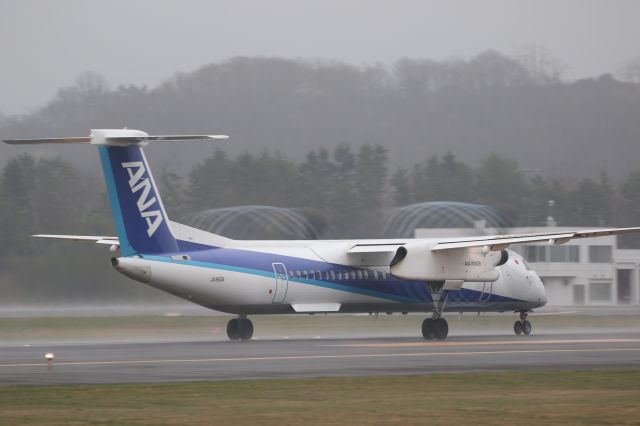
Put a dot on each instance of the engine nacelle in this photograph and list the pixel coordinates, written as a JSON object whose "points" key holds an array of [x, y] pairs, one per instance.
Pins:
{"points": [[416, 261]]}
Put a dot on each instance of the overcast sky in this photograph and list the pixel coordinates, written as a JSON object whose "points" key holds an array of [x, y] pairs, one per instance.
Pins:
{"points": [[45, 44]]}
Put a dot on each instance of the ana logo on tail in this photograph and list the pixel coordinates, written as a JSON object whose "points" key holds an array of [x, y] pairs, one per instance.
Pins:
{"points": [[137, 182]]}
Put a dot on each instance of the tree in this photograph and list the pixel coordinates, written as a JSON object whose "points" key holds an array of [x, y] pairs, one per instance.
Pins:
{"points": [[401, 188], [343, 204], [501, 184], [316, 180], [631, 71], [630, 206], [370, 181], [543, 67], [591, 203], [17, 213]]}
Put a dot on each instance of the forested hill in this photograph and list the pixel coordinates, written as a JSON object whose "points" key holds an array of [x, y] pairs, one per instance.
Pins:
{"points": [[414, 108]]}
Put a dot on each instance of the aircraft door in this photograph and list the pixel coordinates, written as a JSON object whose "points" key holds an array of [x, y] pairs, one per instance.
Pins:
{"points": [[486, 291], [282, 282]]}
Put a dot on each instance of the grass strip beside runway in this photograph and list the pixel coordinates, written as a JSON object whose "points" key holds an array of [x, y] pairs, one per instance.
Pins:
{"points": [[523, 398], [33, 330]]}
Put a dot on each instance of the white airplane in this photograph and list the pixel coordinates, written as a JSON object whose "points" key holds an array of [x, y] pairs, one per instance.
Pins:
{"points": [[437, 275]]}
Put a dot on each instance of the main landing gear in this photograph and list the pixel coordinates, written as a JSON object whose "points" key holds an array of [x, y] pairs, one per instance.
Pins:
{"points": [[436, 327], [523, 326], [240, 328]]}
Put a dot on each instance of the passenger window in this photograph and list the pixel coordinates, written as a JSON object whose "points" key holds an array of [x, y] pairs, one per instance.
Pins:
{"points": [[326, 275], [333, 275], [384, 275], [298, 274], [353, 275], [359, 274], [375, 275], [366, 274], [306, 275]]}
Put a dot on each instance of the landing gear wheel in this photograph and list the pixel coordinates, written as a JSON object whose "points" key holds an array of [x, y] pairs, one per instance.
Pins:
{"points": [[526, 327], [233, 329], [428, 329], [246, 329], [441, 328], [240, 329], [518, 328]]}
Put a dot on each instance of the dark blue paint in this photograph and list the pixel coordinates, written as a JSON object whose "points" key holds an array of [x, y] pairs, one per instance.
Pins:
{"points": [[130, 225]]}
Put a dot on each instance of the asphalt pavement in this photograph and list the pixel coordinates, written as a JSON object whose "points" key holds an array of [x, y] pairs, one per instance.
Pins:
{"points": [[114, 362]]}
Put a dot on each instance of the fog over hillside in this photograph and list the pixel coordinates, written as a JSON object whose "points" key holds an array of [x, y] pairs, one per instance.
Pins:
{"points": [[518, 106]]}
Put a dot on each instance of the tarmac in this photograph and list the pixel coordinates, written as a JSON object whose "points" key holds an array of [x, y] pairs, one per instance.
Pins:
{"points": [[189, 360]]}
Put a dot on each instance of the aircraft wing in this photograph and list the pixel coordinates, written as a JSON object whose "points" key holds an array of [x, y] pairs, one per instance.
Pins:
{"points": [[500, 242], [82, 238]]}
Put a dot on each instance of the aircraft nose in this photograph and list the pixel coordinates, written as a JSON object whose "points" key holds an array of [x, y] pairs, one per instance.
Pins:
{"points": [[542, 294], [543, 298]]}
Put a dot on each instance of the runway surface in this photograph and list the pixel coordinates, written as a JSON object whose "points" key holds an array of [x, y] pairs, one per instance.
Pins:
{"points": [[227, 360]]}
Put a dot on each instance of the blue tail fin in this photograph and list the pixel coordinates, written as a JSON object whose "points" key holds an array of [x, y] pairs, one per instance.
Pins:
{"points": [[141, 221], [140, 218]]}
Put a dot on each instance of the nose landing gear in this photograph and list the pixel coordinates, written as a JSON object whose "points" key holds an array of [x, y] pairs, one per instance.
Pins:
{"points": [[240, 328], [522, 326]]}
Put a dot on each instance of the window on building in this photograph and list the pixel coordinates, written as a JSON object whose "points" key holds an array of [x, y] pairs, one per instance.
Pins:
{"points": [[535, 253], [600, 292], [578, 294], [557, 254], [624, 280], [600, 254], [574, 253]]}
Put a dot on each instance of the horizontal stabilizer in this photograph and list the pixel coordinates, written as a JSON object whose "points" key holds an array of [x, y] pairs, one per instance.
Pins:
{"points": [[82, 238], [81, 139], [116, 137]]}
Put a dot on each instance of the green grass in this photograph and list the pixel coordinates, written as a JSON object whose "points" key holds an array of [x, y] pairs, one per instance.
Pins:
{"points": [[30, 330], [583, 397]]}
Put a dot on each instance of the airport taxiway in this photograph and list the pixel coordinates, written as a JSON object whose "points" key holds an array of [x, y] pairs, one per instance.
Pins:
{"points": [[112, 362]]}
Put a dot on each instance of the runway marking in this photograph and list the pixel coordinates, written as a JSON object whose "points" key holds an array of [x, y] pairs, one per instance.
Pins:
{"points": [[312, 357], [479, 343]]}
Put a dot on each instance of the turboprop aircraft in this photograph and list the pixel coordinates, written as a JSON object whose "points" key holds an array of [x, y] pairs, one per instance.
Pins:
{"points": [[436, 275]]}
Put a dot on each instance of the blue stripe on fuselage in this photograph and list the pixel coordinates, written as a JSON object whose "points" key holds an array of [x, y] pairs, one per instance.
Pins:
{"points": [[261, 264]]}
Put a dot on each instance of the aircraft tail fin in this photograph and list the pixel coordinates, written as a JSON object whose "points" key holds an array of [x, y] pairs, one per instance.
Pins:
{"points": [[140, 218]]}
